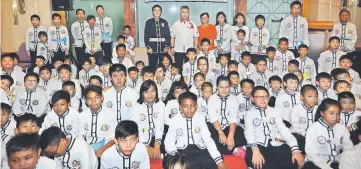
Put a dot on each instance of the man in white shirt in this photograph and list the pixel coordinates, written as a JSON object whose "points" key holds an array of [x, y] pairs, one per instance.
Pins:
{"points": [[32, 38], [93, 39], [106, 26], [184, 35], [295, 28], [78, 32]]}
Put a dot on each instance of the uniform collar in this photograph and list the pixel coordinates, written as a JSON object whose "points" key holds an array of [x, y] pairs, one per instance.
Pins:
{"points": [[279, 90], [239, 25], [7, 73], [246, 97], [223, 98], [307, 109], [98, 111], [149, 105], [321, 90], [66, 113], [343, 23], [71, 143], [121, 153], [323, 123], [6, 124], [348, 113], [260, 72], [30, 91], [289, 92], [186, 117], [184, 20]]}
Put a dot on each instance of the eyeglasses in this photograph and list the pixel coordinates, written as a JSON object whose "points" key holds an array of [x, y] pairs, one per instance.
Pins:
{"points": [[51, 154]]}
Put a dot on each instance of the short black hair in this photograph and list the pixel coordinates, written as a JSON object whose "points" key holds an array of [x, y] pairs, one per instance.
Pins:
{"points": [[40, 57], [250, 81], [127, 27], [7, 55], [120, 46], [202, 14], [339, 82], [194, 50], [117, 68], [260, 60], [176, 85], [64, 67], [60, 94], [255, 89], [270, 49], [121, 37], [342, 11], [68, 83], [290, 76], [294, 62], [104, 61], [96, 77], [206, 84], [157, 6], [274, 78], [132, 69], [89, 17], [232, 73], [241, 31], [232, 62], [345, 95], [333, 38], [222, 78], [205, 40], [346, 57], [87, 60], [44, 68], [42, 33], [57, 59], [22, 142], [35, 16], [198, 74], [337, 71], [303, 46], [5, 108], [161, 66], [184, 7], [27, 117], [168, 57], [323, 75], [139, 62], [55, 15], [51, 137], [147, 69], [307, 87], [296, 3], [32, 74], [246, 53], [126, 128], [78, 10], [283, 39], [7, 77], [15, 55], [187, 95], [174, 65], [260, 17], [92, 88], [99, 6], [144, 87]]}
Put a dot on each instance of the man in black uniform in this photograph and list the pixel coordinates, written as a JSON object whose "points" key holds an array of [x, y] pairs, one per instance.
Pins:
{"points": [[156, 37]]}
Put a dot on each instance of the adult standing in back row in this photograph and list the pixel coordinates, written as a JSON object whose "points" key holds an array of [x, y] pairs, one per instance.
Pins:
{"points": [[295, 28], [106, 26], [156, 37], [184, 35]]}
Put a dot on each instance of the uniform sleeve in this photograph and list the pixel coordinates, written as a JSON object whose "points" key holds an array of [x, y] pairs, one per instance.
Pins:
{"points": [[195, 30], [16, 108], [87, 159], [184, 73], [86, 40], [110, 27], [145, 162], [333, 33], [354, 36], [167, 33], [160, 124], [170, 139], [246, 29], [314, 73], [249, 130], [212, 110], [72, 30], [321, 63], [78, 89], [27, 41], [294, 119], [347, 144], [50, 40], [286, 134], [67, 41], [282, 29], [173, 30], [312, 151], [209, 142], [234, 111], [267, 38], [46, 124], [146, 34], [305, 34]]}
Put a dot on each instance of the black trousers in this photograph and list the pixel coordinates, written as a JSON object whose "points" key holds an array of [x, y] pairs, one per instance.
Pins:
{"points": [[32, 57], [275, 157], [59, 55], [197, 158], [154, 59], [180, 59], [80, 55], [310, 165], [239, 139], [301, 140], [97, 55], [107, 48]]}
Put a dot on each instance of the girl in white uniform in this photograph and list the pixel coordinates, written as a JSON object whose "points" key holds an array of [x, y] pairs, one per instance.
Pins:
{"points": [[224, 35]]}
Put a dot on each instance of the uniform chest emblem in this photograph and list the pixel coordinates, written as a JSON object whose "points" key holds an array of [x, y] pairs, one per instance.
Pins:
{"points": [[69, 127], [278, 58], [86, 127], [63, 31], [349, 31], [76, 28], [22, 101], [337, 31], [30, 34], [272, 121], [109, 104], [96, 34], [321, 139], [97, 24], [42, 48], [275, 68], [197, 130], [128, 104], [142, 117], [289, 25], [106, 25], [241, 106], [255, 34], [308, 67], [88, 34], [135, 164], [179, 132], [165, 91], [256, 122], [104, 127], [75, 163], [328, 59], [286, 104], [35, 102], [187, 70], [156, 114], [174, 111], [264, 34], [289, 57], [53, 32], [203, 108], [259, 81], [302, 120], [302, 25]]}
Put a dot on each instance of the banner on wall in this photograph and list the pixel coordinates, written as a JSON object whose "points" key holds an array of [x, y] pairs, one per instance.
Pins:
{"points": [[185, 0]]}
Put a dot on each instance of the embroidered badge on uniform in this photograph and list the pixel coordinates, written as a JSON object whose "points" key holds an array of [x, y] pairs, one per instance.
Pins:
{"points": [[22, 101], [204, 109], [241, 106], [42, 48], [104, 127], [35, 102], [174, 111], [135, 164], [97, 24], [96, 34], [165, 91], [128, 104], [17, 83], [30, 34], [328, 59], [106, 25], [289, 57], [75, 163], [278, 58], [76, 28], [256, 122], [156, 114], [308, 67], [63, 31], [255, 34], [275, 68], [109, 104], [53, 32], [162, 24], [302, 25], [86, 127], [321, 139], [187, 70], [69, 127], [179, 132], [286, 104], [337, 31], [197, 130], [349, 31], [302, 120], [142, 117], [88, 34], [259, 81], [264, 34]]}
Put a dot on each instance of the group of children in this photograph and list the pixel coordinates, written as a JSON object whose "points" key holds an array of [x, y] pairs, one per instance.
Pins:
{"points": [[276, 109]]}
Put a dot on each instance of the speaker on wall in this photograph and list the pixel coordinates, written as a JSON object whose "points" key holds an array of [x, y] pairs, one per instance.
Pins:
{"points": [[62, 5]]}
